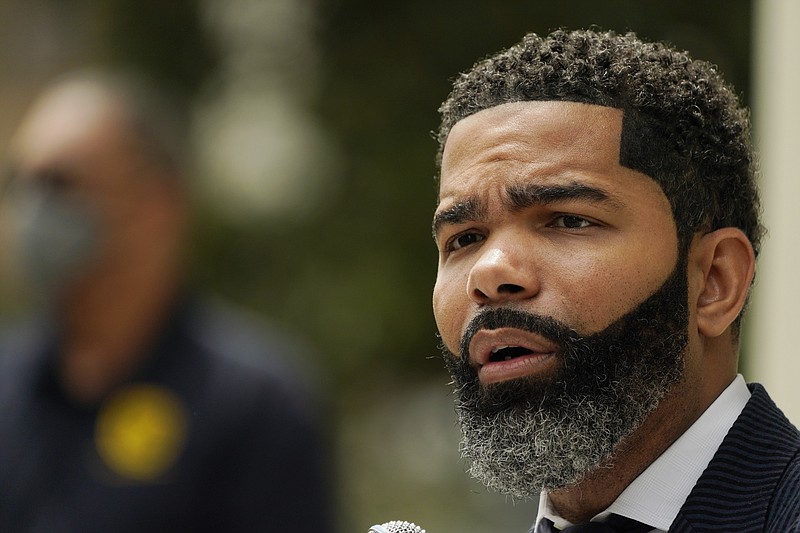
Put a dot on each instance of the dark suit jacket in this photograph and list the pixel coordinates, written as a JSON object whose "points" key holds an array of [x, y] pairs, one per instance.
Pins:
{"points": [[753, 481]]}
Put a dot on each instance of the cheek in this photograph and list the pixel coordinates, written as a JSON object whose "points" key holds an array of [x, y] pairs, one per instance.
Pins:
{"points": [[600, 291], [450, 307]]}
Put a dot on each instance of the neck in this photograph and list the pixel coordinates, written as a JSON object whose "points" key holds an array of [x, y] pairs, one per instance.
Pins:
{"points": [[110, 320], [597, 490], [600, 488]]}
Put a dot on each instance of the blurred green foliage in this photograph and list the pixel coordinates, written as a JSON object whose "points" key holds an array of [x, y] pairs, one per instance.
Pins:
{"points": [[168, 40]]}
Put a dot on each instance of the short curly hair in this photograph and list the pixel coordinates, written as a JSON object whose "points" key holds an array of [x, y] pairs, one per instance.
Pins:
{"points": [[683, 125]]}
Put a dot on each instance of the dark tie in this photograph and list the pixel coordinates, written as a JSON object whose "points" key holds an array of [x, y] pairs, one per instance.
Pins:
{"points": [[613, 524]]}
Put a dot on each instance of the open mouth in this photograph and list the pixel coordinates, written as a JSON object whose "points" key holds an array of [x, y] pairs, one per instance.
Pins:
{"points": [[506, 353]]}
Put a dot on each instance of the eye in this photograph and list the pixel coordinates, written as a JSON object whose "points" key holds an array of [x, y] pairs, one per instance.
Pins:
{"points": [[463, 240], [571, 222]]}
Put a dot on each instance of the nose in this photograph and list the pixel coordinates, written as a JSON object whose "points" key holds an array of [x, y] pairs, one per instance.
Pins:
{"points": [[502, 274]]}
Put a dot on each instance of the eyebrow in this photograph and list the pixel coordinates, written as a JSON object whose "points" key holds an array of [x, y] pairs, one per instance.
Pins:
{"points": [[522, 197], [458, 213]]}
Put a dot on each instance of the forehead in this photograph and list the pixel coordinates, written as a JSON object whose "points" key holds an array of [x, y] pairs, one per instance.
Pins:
{"points": [[550, 142], [70, 123]]}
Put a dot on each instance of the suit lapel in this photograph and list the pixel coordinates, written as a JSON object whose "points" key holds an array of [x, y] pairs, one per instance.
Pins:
{"points": [[734, 492]]}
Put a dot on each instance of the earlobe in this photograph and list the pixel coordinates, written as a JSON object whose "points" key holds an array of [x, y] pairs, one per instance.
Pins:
{"points": [[726, 263]]}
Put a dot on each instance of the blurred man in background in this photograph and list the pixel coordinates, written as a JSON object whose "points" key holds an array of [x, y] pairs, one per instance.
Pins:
{"points": [[130, 403]]}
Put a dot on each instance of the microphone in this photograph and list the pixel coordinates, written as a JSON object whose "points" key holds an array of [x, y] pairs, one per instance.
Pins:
{"points": [[396, 526]]}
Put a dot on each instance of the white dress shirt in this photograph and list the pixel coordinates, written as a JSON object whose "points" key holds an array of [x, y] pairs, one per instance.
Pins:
{"points": [[658, 493]]}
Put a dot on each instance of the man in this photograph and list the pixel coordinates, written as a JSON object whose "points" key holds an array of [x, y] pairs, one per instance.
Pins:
{"points": [[597, 227], [134, 404]]}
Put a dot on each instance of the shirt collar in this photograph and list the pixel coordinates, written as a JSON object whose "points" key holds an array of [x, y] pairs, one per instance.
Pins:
{"points": [[656, 496]]}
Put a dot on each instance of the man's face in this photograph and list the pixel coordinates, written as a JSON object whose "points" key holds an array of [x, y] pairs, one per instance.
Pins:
{"points": [[75, 143], [560, 296], [77, 189]]}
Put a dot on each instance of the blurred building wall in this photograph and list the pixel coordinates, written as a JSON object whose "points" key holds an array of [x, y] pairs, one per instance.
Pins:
{"points": [[773, 355]]}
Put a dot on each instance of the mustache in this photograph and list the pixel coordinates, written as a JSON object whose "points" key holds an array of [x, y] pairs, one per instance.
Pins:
{"points": [[548, 327]]}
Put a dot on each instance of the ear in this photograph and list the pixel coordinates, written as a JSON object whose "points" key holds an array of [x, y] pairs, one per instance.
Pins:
{"points": [[725, 264]]}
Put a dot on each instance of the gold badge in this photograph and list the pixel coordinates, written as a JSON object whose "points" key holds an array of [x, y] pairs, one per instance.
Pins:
{"points": [[141, 431]]}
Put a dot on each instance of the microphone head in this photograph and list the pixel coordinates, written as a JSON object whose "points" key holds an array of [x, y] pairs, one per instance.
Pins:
{"points": [[396, 526]]}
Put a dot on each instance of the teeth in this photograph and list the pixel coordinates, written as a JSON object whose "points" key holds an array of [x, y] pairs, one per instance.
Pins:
{"points": [[503, 347], [498, 348], [506, 352]]}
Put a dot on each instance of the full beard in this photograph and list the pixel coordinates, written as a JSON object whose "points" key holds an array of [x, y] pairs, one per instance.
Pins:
{"points": [[526, 435]]}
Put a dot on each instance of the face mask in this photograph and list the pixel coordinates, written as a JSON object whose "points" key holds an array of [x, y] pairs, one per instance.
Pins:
{"points": [[52, 236]]}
